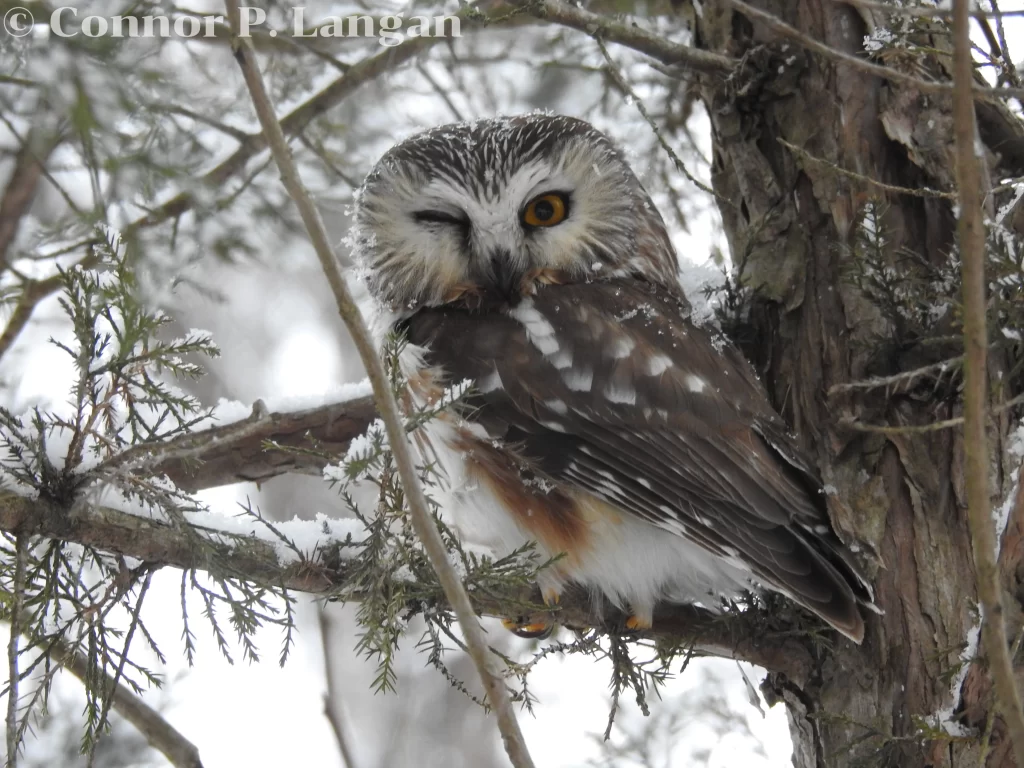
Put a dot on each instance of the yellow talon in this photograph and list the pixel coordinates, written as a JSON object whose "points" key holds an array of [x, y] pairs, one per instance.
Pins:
{"points": [[536, 630], [636, 623], [550, 595]]}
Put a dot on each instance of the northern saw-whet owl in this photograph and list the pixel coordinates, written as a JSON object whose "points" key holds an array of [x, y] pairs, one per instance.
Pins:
{"points": [[523, 254]]}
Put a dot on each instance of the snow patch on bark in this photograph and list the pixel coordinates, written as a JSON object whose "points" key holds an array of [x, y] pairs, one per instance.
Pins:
{"points": [[944, 718]]}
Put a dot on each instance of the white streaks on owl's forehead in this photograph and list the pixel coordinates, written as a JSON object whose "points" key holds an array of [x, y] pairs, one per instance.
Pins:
{"points": [[484, 154]]}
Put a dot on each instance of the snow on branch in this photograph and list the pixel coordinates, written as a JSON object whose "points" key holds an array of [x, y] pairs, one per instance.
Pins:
{"points": [[326, 569]]}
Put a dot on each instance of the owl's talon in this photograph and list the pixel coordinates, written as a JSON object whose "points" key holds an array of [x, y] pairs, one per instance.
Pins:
{"points": [[535, 630], [550, 596], [637, 624]]}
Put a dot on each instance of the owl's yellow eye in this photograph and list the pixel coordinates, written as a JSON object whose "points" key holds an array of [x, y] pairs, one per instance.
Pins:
{"points": [[546, 210]]}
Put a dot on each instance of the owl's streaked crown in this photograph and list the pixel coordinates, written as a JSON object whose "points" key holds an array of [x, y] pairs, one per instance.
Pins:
{"points": [[446, 211]]}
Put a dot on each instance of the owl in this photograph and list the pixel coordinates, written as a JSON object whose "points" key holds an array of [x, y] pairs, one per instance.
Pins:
{"points": [[604, 425]]}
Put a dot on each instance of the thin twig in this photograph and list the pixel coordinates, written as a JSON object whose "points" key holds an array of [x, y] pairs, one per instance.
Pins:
{"points": [[160, 734], [13, 652], [332, 697], [921, 429], [114, 682], [971, 235], [911, 191], [420, 516], [1006, 60], [625, 87], [904, 378]]}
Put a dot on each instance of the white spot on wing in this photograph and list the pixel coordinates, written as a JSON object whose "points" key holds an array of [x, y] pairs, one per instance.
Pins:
{"points": [[622, 347], [695, 383], [562, 359], [554, 426], [579, 379], [658, 364], [557, 406], [620, 394]]}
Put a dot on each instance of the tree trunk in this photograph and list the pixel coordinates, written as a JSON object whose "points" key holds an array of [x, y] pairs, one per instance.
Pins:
{"points": [[793, 218]]}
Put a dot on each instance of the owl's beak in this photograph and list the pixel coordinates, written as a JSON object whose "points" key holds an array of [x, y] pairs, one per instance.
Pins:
{"points": [[505, 273]]}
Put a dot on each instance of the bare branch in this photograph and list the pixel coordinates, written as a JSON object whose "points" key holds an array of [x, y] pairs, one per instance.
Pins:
{"points": [[419, 511], [631, 36], [971, 235], [245, 451], [32, 293], [332, 696], [920, 429], [13, 673], [22, 185], [160, 734], [627, 89]]}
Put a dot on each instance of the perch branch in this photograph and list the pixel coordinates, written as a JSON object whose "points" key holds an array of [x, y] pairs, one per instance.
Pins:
{"points": [[419, 511], [971, 235], [739, 635]]}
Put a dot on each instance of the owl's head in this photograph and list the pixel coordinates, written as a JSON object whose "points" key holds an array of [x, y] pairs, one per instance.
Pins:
{"points": [[482, 206]]}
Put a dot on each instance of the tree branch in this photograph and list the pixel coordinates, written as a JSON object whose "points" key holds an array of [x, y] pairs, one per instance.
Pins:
{"points": [[632, 36], [333, 704], [741, 635], [973, 253], [245, 451], [160, 734], [20, 192]]}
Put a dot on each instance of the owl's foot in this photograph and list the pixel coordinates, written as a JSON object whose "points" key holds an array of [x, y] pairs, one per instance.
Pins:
{"points": [[538, 629], [640, 621], [531, 630], [550, 595]]}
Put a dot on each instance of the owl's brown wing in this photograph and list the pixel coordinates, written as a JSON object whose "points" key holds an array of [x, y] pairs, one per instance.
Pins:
{"points": [[610, 388]]}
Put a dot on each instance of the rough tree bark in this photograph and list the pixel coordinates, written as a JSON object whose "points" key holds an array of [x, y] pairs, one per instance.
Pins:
{"points": [[790, 219]]}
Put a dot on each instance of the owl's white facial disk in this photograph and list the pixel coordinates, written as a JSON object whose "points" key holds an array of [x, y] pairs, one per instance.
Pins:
{"points": [[448, 210]]}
